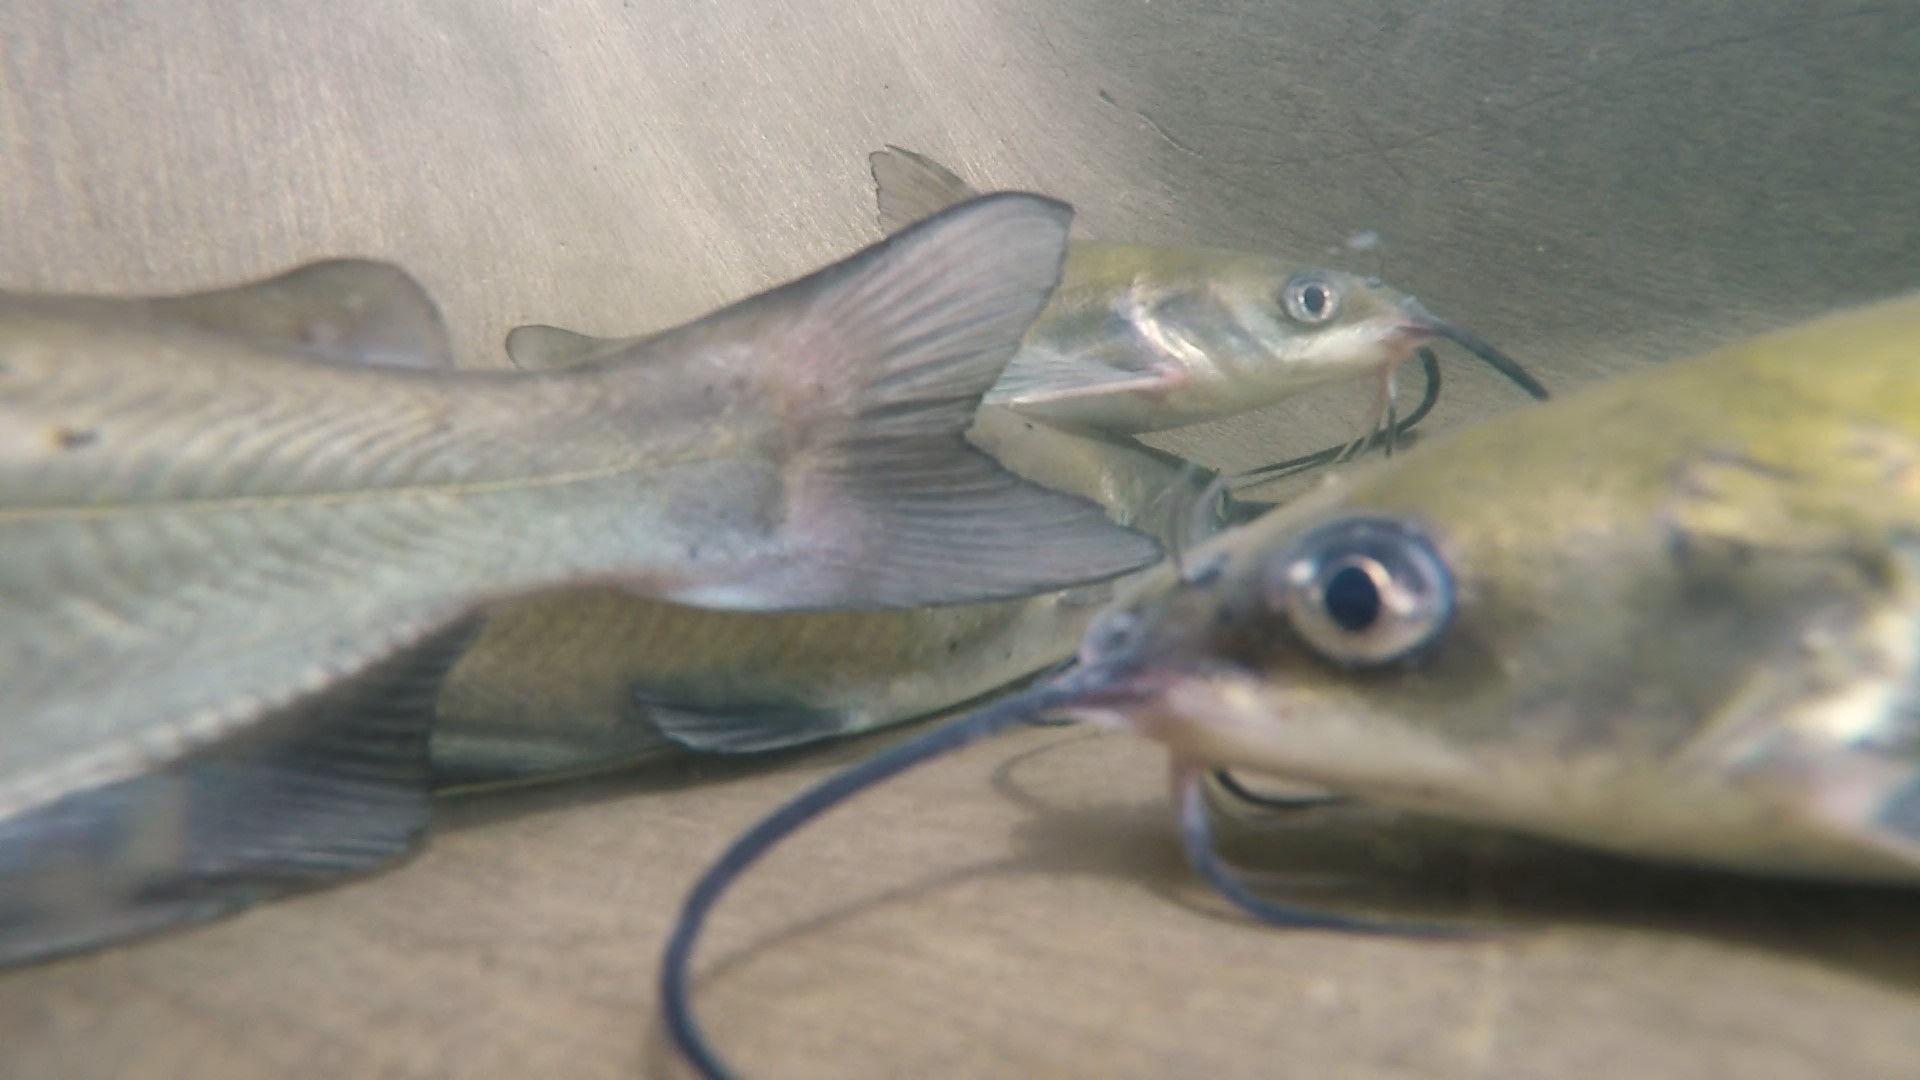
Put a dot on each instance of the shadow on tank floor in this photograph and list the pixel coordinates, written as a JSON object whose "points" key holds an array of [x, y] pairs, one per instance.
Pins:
{"points": [[1592, 187]]}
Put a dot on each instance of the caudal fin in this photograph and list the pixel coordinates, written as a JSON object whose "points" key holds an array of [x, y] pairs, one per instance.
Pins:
{"points": [[892, 500], [875, 367]]}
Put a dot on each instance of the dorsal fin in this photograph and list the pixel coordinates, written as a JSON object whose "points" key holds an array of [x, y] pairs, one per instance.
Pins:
{"points": [[354, 310], [911, 187], [549, 348]]}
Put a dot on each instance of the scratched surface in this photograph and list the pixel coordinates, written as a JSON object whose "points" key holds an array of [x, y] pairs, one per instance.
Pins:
{"points": [[1592, 186]]}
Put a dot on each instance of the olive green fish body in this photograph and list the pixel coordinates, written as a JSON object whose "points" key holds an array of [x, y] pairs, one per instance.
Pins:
{"points": [[1677, 615]]}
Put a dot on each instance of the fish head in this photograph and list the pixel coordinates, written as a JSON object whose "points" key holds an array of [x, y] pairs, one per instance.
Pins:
{"points": [[1594, 623], [1310, 326]]}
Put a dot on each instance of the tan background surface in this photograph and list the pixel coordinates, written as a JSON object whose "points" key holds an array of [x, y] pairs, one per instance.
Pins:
{"points": [[1592, 186]]}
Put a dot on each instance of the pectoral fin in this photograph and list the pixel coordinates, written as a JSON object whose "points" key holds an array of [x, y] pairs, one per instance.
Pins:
{"points": [[334, 788], [1040, 378], [883, 359]]}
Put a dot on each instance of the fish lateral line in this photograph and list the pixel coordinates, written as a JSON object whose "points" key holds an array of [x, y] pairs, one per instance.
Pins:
{"points": [[228, 504]]}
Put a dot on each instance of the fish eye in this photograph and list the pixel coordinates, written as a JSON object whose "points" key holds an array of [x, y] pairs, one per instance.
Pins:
{"points": [[1362, 591], [1309, 299]]}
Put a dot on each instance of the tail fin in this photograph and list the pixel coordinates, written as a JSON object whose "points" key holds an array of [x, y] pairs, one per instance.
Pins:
{"points": [[877, 365]]}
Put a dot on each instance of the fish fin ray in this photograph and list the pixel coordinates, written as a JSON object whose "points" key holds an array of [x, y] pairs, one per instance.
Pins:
{"points": [[1040, 376], [335, 787], [1033, 386], [910, 187], [359, 311], [743, 729]]}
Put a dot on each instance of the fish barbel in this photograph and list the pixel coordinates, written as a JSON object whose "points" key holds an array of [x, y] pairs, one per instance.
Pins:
{"points": [[239, 546], [1142, 338], [1675, 615]]}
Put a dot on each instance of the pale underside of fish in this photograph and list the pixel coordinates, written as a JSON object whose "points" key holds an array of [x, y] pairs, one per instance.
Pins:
{"points": [[238, 528]]}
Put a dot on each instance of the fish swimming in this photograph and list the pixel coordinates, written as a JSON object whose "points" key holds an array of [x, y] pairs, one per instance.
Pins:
{"points": [[1142, 338], [237, 550], [1674, 616], [590, 678]]}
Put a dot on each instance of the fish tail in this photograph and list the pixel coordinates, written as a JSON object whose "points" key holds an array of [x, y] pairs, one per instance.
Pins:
{"points": [[925, 322], [873, 370]]}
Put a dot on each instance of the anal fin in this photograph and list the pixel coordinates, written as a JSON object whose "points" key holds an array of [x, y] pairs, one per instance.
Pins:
{"points": [[335, 787]]}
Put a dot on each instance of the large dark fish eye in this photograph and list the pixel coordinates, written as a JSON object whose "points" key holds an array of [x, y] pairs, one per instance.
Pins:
{"points": [[1362, 591], [1309, 299]]}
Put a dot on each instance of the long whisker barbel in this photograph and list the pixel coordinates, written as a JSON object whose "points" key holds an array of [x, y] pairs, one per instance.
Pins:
{"points": [[1429, 367], [1497, 360], [1074, 687]]}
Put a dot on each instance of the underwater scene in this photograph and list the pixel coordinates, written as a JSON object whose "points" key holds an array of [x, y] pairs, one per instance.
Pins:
{"points": [[668, 538]]}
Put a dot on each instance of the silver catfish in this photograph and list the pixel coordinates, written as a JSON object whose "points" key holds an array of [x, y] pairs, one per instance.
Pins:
{"points": [[234, 568]]}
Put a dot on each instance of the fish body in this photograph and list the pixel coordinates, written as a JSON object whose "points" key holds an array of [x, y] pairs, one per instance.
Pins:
{"points": [[1142, 338], [588, 678], [242, 537], [1675, 615]]}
